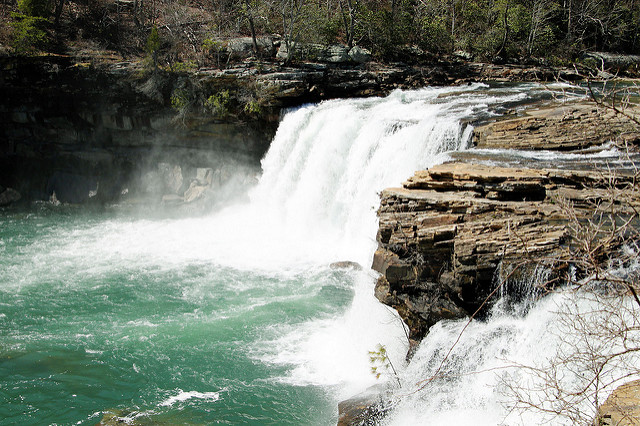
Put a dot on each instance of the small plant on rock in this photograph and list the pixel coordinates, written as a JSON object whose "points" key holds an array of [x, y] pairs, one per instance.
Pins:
{"points": [[381, 363], [218, 103]]}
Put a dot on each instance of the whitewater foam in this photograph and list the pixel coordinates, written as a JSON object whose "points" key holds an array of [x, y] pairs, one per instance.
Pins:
{"points": [[183, 396]]}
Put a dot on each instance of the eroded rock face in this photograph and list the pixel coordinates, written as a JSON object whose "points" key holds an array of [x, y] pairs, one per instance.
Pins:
{"points": [[443, 236], [564, 127]]}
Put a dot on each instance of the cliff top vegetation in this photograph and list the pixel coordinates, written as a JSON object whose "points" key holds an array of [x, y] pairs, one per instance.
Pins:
{"points": [[196, 32]]}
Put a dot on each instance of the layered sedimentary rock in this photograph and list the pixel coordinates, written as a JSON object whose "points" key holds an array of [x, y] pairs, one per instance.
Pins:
{"points": [[563, 127], [447, 235]]}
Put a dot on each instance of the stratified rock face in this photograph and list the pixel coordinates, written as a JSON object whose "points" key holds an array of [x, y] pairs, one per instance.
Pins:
{"points": [[564, 127], [443, 236]]}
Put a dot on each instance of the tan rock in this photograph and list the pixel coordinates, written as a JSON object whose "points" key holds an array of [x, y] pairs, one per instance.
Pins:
{"points": [[569, 126], [444, 234], [622, 408]]}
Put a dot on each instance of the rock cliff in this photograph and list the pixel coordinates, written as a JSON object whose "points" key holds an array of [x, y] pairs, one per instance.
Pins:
{"points": [[451, 233], [108, 127], [444, 234]]}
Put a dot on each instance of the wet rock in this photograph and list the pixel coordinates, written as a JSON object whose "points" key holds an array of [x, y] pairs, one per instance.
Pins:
{"points": [[346, 264], [366, 408], [444, 235], [8, 196], [204, 176], [120, 417], [195, 192]]}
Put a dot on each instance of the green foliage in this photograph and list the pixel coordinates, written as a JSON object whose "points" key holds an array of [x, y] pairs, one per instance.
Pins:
{"points": [[513, 28], [212, 46], [435, 34], [30, 26], [152, 46], [381, 364], [252, 108], [153, 41], [186, 66], [29, 33], [180, 101], [218, 103], [328, 31]]}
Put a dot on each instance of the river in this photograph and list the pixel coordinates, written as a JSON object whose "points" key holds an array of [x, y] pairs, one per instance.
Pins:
{"points": [[235, 316]]}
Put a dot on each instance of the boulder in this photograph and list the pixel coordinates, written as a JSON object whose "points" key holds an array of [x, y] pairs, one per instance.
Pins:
{"points": [[346, 264], [204, 176], [359, 55], [336, 54], [195, 192], [612, 61], [242, 47], [8, 196]]}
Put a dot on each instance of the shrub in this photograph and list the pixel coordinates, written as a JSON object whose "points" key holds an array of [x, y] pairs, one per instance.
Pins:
{"points": [[29, 33], [252, 108], [218, 103]]}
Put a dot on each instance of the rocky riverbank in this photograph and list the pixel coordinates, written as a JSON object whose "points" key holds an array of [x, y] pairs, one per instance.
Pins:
{"points": [[451, 235], [448, 233]]}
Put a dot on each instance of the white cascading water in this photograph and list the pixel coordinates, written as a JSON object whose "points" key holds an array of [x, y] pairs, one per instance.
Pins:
{"points": [[495, 363], [327, 163]]}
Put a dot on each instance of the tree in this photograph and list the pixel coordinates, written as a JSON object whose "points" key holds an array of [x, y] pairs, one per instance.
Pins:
{"points": [[348, 10], [247, 9], [29, 26], [153, 45]]}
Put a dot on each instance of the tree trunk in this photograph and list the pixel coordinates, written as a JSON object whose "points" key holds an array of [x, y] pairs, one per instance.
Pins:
{"points": [[506, 30], [252, 27], [349, 22], [58, 12]]}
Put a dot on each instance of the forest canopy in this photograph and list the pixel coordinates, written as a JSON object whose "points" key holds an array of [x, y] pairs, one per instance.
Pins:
{"points": [[513, 30]]}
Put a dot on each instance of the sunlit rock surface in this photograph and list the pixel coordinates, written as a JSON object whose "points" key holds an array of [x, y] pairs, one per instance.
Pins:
{"points": [[562, 127], [622, 408], [443, 235]]}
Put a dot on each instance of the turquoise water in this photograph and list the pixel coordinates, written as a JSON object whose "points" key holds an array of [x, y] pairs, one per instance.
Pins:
{"points": [[181, 343]]}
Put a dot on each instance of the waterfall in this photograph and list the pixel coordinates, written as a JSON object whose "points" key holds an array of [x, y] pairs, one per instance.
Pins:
{"points": [[319, 193], [235, 316], [327, 162], [510, 356]]}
